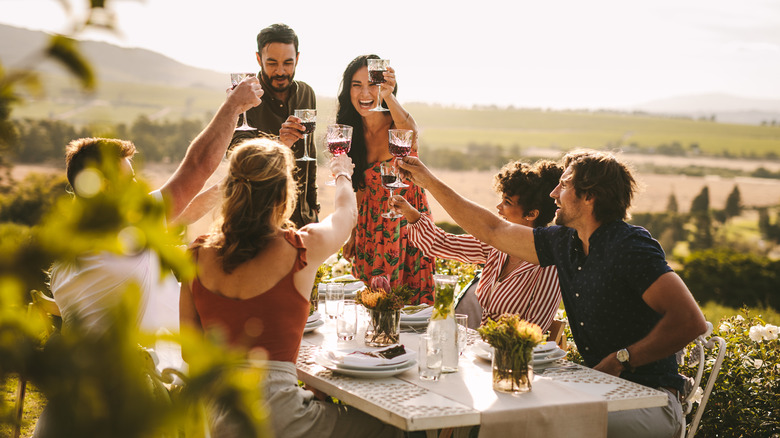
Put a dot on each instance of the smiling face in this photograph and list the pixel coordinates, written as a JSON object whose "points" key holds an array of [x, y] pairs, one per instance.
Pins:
{"points": [[277, 63], [511, 210], [571, 208], [360, 92]]}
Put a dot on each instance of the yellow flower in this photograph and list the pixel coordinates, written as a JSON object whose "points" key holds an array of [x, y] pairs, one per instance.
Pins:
{"points": [[369, 297]]}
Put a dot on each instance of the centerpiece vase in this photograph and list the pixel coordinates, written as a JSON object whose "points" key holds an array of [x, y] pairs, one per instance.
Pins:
{"points": [[442, 328], [512, 370], [384, 328]]}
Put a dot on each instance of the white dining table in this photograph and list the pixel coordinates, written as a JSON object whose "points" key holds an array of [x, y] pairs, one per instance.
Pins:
{"points": [[569, 400]]}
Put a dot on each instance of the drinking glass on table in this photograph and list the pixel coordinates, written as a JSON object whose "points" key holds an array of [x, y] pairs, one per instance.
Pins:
{"points": [[339, 140], [400, 141], [235, 79], [387, 173], [463, 330], [309, 121], [334, 299], [376, 76], [428, 358], [346, 322]]}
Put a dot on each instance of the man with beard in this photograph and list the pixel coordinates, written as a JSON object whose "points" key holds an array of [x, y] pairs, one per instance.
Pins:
{"points": [[629, 312], [277, 54]]}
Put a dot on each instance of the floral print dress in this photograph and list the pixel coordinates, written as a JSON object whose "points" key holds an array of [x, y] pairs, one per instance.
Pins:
{"points": [[382, 245]]}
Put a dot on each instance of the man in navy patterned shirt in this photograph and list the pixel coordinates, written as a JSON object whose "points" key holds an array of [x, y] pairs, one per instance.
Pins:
{"points": [[629, 312]]}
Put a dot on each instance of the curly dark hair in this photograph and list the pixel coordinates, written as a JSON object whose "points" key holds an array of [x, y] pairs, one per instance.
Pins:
{"points": [[601, 175], [532, 184], [346, 114]]}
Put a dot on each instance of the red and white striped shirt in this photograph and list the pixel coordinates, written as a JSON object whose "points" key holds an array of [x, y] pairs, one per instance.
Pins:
{"points": [[530, 291]]}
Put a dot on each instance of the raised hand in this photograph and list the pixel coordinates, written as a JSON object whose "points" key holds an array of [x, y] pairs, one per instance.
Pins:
{"points": [[401, 205], [342, 164], [246, 94], [415, 171], [291, 131]]}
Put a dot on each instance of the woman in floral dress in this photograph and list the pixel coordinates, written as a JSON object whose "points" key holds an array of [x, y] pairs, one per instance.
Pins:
{"points": [[380, 246]]}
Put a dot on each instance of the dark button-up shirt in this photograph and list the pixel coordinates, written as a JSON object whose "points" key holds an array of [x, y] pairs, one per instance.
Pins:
{"points": [[268, 118], [602, 292]]}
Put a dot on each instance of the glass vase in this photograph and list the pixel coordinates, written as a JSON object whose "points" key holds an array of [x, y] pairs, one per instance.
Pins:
{"points": [[384, 328], [512, 372], [442, 327]]}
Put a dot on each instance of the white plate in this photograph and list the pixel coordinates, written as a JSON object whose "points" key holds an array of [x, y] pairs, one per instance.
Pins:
{"points": [[313, 325], [414, 323], [323, 359], [368, 374], [545, 347], [313, 317], [550, 357]]}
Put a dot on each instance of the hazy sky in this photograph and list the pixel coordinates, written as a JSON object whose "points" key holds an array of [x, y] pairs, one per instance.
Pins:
{"points": [[551, 54]]}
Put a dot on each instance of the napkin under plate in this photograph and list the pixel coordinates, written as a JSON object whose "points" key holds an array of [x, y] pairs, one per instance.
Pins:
{"points": [[357, 358]]}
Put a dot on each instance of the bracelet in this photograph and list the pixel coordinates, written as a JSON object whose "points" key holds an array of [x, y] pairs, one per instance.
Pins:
{"points": [[344, 174]]}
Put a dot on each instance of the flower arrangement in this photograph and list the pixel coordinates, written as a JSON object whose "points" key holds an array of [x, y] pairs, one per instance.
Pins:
{"points": [[379, 295], [384, 305], [513, 340]]}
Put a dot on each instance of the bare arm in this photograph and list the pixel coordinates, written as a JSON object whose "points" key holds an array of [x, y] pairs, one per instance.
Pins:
{"points": [[681, 323], [322, 239], [200, 205], [206, 151], [402, 119], [513, 239]]}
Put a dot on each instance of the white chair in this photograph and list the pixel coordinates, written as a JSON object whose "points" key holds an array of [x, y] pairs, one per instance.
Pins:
{"points": [[697, 357]]}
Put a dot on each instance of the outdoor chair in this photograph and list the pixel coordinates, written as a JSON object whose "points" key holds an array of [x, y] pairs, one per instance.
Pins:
{"points": [[466, 303], [698, 357], [557, 333]]}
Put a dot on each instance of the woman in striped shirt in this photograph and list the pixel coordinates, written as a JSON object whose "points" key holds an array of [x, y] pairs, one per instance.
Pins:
{"points": [[508, 284]]}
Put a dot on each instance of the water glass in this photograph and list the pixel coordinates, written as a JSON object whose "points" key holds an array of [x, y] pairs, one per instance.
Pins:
{"points": [[334, 299], [429, 358], [463, 330], [346, 322]]}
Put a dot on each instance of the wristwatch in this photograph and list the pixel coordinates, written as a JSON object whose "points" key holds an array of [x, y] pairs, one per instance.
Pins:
{"points": [[623, 357]]}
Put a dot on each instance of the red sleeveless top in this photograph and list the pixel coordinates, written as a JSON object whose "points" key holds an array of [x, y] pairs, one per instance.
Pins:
{"points": [[273, 320]]}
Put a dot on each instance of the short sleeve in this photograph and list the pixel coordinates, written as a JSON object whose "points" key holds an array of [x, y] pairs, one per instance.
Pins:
{"points": [[642, 261]]}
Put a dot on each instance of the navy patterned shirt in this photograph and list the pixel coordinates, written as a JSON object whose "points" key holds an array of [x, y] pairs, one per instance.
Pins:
{"points": [[602, 292]]}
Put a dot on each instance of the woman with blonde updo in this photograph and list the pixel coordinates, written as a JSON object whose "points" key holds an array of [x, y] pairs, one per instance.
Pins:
{"points": [[255, 275]]}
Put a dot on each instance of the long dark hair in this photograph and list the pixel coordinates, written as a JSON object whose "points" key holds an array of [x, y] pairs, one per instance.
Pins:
{"points": [[346, 114]]}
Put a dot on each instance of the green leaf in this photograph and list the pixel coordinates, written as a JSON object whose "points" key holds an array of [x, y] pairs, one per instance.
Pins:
{"points": [[65, 50]]}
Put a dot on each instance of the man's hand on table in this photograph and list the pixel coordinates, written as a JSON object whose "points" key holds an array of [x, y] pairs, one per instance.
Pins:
{"points": [[610, 365]]}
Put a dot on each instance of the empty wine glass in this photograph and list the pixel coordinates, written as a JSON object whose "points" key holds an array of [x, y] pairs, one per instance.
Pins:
{"points": [[376, 70], [388, 177], [400, 141], [339, 139], [235, 79], [309, 121]]}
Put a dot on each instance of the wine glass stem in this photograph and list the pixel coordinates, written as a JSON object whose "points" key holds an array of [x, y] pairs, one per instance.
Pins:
{"points": [[305, 146], [379, 95]]}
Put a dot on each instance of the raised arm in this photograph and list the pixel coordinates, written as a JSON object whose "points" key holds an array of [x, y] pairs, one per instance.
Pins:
{"points": [[324, 238], [200, 205], [513, 239], [402, 119], [681, 323], [206, 151]]}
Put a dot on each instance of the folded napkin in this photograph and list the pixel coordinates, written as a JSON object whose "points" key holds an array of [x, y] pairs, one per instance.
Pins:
{"points": [[410, 313], [313, 317], [359, 358], [343, 279]]}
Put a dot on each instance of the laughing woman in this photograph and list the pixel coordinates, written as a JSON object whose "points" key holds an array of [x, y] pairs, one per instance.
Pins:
{"points": [[380, 246]]}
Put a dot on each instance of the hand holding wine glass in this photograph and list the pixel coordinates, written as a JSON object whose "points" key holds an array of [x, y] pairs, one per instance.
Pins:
{"points": [[339, 139], [400, 143], [387, 173], [235, 79], [401, 205], [309, 121]]}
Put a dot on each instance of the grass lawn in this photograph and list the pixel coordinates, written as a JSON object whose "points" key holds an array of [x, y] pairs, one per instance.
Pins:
{"points": [[33, 405]]}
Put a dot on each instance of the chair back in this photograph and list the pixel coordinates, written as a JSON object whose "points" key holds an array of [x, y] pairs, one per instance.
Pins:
{"points": [[468, 304], [704, 342], [557, 334]]}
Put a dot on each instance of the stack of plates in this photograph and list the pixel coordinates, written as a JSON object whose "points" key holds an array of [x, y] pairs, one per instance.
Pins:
{"points": [[314, 321], [544, 353], [416, 316], [351, 286], [354, 363]]}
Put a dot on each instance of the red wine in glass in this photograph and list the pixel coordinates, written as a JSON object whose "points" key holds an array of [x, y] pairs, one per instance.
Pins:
{"points": [[387, 180], [308, 127], [376, 77], [400, 150], [339, 147]]}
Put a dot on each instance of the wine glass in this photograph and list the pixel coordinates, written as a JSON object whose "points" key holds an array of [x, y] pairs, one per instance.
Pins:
{"points": [[400, 141], [339, 139], [376, 70], [309, 121], [235, 79], [388, 177]]}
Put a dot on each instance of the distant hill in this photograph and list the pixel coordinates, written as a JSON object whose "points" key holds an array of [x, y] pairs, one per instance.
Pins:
{"points": [[726, 108], [112, 63]]}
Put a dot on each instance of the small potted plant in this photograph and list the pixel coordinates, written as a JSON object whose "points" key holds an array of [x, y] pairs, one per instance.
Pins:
{"points": [[384, 305], [513, 341]]}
